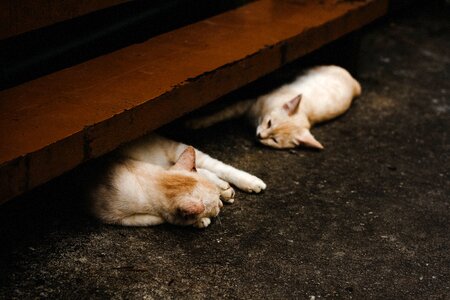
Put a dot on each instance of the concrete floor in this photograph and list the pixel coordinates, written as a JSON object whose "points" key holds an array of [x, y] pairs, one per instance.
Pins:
{"points": [[368, 217]]}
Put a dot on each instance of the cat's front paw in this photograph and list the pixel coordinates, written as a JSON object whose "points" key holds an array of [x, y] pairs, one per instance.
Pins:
{"points": [[202, 223], [227, 194], [251, 184]]}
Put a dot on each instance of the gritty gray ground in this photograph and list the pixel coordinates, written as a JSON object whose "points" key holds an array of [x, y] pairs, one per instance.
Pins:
{"points": [[368, 217]]}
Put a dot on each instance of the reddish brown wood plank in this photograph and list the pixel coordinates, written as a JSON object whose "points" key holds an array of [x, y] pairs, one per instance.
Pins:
{"points": [[97, 105]]}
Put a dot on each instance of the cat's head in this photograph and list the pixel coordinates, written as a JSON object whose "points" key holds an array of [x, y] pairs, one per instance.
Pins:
{"points": [[284, 127], [190, 197]]}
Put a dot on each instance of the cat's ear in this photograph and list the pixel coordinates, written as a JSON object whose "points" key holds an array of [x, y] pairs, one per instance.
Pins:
{"points": [[291, 107], [190, 208], [307, 139], [186, 161]]}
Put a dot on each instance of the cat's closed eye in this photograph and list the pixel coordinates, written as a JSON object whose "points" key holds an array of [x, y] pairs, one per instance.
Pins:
{"points": [[275, 140]]}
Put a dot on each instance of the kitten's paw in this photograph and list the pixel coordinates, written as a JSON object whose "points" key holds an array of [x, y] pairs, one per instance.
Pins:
{"points": [[202, 223], [251, 184], [227, 194]]}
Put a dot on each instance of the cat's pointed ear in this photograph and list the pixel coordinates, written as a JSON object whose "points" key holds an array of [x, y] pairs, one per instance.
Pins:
{"points": [[186, 161], [307, 139], [190, 208], [291, 107]]}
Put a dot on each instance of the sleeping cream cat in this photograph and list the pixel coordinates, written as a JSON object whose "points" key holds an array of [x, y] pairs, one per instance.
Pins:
{"points": [[284, 117], [157, 180]]}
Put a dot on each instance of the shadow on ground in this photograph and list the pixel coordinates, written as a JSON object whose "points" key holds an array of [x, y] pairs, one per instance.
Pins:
{"points": [[368, 217]]}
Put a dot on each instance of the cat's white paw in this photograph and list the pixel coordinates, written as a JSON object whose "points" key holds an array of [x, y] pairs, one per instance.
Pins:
{"points": [[227, 194], [202, 223], [251, 184]]}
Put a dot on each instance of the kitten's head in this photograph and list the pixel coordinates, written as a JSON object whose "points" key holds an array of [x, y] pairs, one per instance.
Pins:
{"points": [[190, 197], [284, 127]]}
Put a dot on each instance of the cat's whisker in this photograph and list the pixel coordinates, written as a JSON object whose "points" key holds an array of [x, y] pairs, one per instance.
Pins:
{"points": [[218, 220]]}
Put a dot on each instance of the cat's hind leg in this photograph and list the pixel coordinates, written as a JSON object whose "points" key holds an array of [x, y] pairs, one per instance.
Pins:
{"points": [[242, 180], [226, 191], [141, 220]]}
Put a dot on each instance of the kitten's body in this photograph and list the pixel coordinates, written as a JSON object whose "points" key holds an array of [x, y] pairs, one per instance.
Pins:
{"points": [[155, 180], [164, 152], [284, 117]]}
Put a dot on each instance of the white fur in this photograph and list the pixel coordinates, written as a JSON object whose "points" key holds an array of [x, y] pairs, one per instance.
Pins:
{"points": [[131, 193], [326, 92], [164, 152]]}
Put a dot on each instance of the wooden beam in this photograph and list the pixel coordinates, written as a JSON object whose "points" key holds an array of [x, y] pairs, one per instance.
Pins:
{"points": [[54, 123]]}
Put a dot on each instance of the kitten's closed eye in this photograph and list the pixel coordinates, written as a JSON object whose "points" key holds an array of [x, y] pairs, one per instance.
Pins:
{"points": [[275, 140]]}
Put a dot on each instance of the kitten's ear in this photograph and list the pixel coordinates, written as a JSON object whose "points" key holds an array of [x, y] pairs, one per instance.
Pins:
{"points": [[186, 161], [309, 140], [292, 106], [190, 208]]}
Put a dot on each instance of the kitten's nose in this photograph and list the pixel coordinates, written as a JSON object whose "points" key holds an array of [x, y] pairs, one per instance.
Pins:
{"points": [[259, 135]]}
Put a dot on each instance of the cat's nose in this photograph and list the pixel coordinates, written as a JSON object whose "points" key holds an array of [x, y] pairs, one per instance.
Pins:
{"points": [[259, 135]]}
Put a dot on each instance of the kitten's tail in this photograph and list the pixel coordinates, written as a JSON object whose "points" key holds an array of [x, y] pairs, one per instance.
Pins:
{"points": [[235, 110]]}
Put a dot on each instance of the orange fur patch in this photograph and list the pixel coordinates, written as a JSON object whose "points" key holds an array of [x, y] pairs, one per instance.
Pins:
{"points": [[175, 184], [284, 130]]}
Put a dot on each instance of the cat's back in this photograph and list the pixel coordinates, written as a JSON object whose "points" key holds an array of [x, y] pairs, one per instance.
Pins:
{"points": [[127, 174], [153, 149], [120, 189], [327, 92], [320, 83], [332, 76]]}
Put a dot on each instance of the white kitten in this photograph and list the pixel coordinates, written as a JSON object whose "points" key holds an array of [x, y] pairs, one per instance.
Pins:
{"points": [[284, 117]]}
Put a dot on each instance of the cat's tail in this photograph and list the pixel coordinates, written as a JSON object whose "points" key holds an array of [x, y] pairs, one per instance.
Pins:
{"points": [[235, 110]]}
